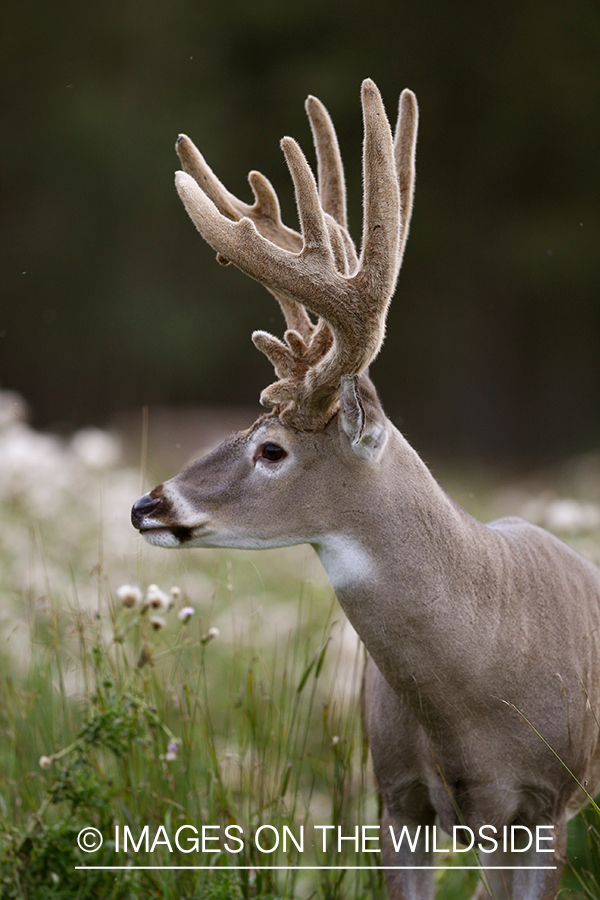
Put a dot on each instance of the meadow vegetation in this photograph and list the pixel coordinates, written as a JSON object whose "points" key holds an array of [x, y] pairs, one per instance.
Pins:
{"points": [[146, 694]]}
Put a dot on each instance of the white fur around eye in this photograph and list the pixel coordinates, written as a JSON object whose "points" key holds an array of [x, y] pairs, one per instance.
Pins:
{"points": [[272, 469], [268, 468]]}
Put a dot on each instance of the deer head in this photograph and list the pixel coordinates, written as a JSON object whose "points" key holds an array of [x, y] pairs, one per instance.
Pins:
{"points": [[321, 362]]}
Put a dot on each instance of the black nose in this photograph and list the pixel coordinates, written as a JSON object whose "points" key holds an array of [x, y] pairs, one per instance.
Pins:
{"points": [[142, 508]]}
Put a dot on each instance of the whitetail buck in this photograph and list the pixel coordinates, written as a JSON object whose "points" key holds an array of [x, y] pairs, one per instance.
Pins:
{"points": [[484, 640]]}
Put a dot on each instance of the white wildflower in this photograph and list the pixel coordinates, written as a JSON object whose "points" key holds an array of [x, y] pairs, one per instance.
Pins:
{"points": [[46, 762], [175, 594], [185, 613], [210, 634], [156, 598], [157, 622], [129, 595]]}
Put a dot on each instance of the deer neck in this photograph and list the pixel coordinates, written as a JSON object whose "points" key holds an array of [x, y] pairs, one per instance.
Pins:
{"points": [[402, 569]]}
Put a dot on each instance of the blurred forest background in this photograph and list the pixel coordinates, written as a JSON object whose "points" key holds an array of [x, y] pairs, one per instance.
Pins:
{"points": [[110, 300]]}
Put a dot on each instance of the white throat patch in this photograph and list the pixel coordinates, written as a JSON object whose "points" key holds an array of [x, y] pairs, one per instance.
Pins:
{"points": [[346, 561]]}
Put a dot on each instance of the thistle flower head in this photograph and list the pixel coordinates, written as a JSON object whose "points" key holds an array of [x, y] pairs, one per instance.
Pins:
{"points": [[171, 753], [156, 599], [210, 635], [185, 613], [129, 595]]}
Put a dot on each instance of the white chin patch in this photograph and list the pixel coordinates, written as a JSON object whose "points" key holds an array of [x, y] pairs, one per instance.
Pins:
{"points": [[162, 538]]}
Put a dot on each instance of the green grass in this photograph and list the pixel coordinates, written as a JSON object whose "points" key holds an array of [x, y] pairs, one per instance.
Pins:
{"points": [[177, 726], [111, 723]]}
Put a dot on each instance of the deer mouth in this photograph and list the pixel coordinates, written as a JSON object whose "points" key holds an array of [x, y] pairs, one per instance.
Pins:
{"points": [[168, 535]]}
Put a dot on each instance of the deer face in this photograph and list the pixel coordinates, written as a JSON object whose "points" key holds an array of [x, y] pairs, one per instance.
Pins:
{"points": [[238, 495], [270, 486]]}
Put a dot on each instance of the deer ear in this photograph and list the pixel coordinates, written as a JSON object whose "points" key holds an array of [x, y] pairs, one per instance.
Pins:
{"points": [[361, 417]]}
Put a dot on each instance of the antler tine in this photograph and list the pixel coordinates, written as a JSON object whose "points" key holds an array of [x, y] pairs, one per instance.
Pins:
{"points": [[332, 185], [330, 170], [240, 241], [332, 194], [381, 205], [405, 146], [195, 165], [265, 212]]}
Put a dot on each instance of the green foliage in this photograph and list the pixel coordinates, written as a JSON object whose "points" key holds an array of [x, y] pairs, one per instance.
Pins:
{"points": [[141, 748], [582, 874]]}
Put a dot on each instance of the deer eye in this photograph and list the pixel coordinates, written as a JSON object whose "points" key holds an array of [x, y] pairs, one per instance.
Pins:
{"points": [[272, 452]]}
